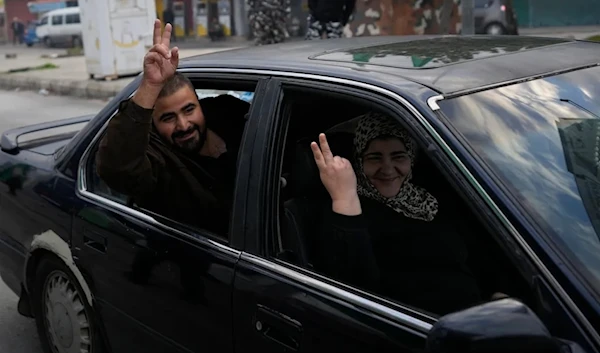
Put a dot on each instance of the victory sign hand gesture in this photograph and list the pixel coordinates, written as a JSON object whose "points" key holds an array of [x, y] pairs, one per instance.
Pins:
{"points": [[160, 63], [338, 178]]}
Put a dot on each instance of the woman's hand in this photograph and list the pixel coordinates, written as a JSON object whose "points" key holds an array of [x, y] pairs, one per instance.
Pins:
{"points": [[338, 178]]}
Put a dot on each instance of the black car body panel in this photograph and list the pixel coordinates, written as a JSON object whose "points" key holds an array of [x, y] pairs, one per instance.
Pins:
{"points": [[506, 59], [157, 288], [30, 205]]}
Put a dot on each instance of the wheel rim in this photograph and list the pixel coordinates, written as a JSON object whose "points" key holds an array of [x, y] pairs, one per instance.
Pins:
{"points": [[494, 30], [65, 318]]}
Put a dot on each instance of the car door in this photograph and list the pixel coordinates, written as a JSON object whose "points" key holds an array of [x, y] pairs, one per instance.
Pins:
{"points": [[280, 307], [159, 286], [72, 25], [56, 27]]}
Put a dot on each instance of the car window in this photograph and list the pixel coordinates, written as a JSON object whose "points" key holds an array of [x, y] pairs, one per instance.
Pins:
{"points": [[541, 139], [480, 4], [57, 19], [44, 20], [96, 185], [243, 95], [369, 251], [72, 18]]}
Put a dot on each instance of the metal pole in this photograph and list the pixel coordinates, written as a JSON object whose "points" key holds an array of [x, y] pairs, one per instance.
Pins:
{"points": [[448, 7], [468, 22]]}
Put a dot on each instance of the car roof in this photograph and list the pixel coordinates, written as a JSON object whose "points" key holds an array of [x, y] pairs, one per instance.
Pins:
{"points": [[446, 64], [63, 10]]}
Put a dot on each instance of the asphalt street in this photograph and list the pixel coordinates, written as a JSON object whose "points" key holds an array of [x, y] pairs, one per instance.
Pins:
{"points": [[17, 333]]}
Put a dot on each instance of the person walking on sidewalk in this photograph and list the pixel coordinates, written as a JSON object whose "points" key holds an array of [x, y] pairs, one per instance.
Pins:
{"points": [[328, 17], [268, 20]]}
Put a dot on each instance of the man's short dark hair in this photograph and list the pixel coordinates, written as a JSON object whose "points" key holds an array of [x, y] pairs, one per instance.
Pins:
{"points": [[174, 84]]}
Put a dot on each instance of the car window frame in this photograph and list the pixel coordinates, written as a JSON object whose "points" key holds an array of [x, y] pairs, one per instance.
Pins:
{"points": [[230, 245], [417, 321], [393, 108], [74, 16], [62, 20]]}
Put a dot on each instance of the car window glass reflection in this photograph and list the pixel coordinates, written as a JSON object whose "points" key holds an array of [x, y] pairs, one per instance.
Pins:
{"points": [[542, 139]]}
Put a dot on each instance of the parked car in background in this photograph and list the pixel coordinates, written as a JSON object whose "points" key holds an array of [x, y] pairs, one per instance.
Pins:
{"points": [[31, 37], [507, 130], [60, 27], [495, 17]]}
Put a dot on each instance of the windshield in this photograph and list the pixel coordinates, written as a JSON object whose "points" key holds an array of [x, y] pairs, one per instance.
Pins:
{"points": [[542, 140]]}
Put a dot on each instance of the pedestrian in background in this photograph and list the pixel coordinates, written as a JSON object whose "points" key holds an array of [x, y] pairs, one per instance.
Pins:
{"points": [[18, 29], [169, 17], [328, 17], [267, 20]]}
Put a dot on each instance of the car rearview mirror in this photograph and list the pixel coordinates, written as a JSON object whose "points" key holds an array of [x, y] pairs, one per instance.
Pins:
{"points": [[496, 327]]}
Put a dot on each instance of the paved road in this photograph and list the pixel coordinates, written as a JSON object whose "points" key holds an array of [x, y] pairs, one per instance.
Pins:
{"points": [[17, 333]]}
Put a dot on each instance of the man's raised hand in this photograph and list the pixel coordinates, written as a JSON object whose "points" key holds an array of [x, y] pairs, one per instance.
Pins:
{"points": [[160, 63]]}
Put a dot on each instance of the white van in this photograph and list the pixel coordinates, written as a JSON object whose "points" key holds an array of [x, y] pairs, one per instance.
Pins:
{"points": [[60, 26]]}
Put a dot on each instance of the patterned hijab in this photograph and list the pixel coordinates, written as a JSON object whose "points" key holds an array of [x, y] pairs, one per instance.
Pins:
{"points": [[412, 201]]}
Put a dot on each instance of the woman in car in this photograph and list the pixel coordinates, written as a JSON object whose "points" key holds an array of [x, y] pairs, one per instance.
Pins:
{"points": [[383, 233]]}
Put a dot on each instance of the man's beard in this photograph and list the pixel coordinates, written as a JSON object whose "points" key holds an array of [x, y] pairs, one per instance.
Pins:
{"points": [[192, 145]]}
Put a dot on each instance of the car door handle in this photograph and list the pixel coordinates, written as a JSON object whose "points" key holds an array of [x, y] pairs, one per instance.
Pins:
{"points": [[95, 240], [278, 327]]}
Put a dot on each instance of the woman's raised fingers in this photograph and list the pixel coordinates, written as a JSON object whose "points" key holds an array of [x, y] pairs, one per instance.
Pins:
{"points": [[318, 155], [327, 155]]}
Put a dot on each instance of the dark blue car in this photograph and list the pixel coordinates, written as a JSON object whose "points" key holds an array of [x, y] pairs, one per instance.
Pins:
{"points": [[30, 38], [509, 133]]}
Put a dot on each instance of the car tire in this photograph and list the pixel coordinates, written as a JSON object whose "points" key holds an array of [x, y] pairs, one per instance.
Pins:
{"points": [[64, 319], [495, 29], [48, 42]]}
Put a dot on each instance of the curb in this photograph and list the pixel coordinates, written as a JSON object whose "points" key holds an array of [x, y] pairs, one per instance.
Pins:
{"points": [[75, 88]]}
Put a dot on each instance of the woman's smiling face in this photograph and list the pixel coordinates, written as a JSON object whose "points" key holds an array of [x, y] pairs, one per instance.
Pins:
{"points": [[386, 164]]}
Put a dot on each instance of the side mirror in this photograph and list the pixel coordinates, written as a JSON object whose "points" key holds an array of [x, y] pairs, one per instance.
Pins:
{"points": [[496, 327]]}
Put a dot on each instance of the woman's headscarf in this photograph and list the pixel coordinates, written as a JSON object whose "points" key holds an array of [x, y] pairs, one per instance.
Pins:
{"points": [[412, 201]]}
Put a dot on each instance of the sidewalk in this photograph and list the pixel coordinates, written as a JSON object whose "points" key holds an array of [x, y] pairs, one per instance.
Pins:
{"points": [[575, 32], [69, 75]]}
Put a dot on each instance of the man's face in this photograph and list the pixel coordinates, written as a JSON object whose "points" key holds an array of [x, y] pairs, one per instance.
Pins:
{"points": [[180, 121]]}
